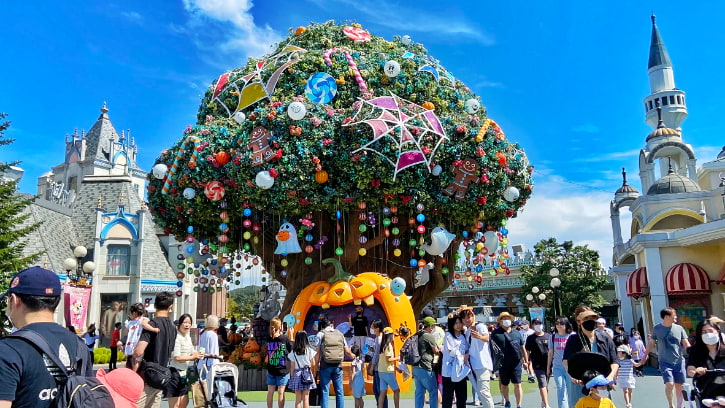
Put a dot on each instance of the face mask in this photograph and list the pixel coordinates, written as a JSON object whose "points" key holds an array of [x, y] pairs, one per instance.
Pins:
{"points": [[539, 327], [710, 338], [506, 323], [589, 325]]}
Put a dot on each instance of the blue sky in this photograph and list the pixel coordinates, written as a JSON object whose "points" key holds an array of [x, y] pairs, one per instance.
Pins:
{"points": [[566, 80]]}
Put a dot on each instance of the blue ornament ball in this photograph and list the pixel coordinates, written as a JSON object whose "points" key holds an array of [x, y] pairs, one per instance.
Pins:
{"points": [[247, 212], [179, 283], [190, 249], [190, 229], [309, 237], [420, 218], [213, 261], [465, 234], [413, 262]]}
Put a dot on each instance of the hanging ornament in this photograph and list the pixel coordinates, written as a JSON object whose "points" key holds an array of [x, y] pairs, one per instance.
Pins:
{"points": [[392, 68], [296, 110], [240, 117], [406, 40], [511, 194], [472, 106], [159, 171]]}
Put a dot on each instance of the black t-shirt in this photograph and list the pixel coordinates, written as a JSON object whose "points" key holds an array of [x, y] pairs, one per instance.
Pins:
{"points": [[360, 325], [26, 376], [700, 357], [277, 350], [605, 346], [511, 348], [161, 344], [538, 348]]}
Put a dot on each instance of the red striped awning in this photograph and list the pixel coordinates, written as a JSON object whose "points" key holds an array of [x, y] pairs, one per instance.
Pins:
{"points": [[687, 279], [636, 281]]}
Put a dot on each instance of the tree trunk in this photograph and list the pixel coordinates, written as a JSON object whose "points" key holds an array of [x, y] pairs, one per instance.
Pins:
{"points": [[379, 258]]}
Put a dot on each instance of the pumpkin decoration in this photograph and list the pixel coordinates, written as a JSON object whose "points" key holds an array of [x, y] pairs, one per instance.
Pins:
{"points": [[344, 289], [295, 130], [321, 176], [252, 346], [428, 105], [300, 30], [255, 359]]}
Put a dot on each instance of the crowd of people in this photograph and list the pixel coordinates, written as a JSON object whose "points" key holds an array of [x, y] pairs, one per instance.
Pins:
{"points": [[585, 359]]}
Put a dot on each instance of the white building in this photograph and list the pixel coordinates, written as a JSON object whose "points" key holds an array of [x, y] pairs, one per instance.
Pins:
{"points": [[677, 247]]}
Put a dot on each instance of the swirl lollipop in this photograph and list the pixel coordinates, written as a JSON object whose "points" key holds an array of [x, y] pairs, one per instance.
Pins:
{"points": [[321, 88], [214, 191], [356, 34]]}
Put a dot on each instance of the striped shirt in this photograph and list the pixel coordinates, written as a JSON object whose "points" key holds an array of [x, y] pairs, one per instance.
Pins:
{"points": [[626, 369]]}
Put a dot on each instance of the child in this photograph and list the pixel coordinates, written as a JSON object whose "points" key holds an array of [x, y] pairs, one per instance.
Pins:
{"points": [[115, 344], [302, 358], [595, 385], [135, 326], [625, 375], [358, 382], [386, 369]]}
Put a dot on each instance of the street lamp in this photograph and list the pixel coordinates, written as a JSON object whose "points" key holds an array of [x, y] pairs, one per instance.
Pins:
{"points": [[555, 283], [74, 264]]}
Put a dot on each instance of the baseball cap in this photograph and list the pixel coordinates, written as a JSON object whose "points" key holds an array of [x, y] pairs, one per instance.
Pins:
{"points": [[429, 321], [124, 385], [34, 281], [598, 381], [523, 322], [602, 320], [624, 348], [536, 321]]}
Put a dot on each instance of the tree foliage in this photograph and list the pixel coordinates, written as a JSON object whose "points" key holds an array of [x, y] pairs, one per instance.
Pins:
{"points": [[240, 302], [580, 273], [13, 216]]}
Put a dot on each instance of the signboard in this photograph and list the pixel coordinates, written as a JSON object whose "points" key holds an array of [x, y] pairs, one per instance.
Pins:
{"points": [[76, 299]]}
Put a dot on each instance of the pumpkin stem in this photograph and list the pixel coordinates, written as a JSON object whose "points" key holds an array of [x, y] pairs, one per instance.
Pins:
{"points": [[340, 274]]}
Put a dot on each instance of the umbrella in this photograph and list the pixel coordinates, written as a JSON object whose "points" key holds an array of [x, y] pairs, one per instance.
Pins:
{"points": [[583, 361]]}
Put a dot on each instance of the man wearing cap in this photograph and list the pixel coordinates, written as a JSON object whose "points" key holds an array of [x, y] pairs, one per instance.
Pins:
{"points": [[537, 345], [671, 340], [28, 378], [511, 344], [425, 378], [602, 326]]}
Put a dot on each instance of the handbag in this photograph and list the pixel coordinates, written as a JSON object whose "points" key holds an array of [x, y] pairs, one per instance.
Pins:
{"points": [[306, 377], [156, 375], [192, 374]]}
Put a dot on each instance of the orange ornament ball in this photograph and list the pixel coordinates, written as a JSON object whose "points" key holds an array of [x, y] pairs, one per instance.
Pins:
{"points": [[321, 176]]}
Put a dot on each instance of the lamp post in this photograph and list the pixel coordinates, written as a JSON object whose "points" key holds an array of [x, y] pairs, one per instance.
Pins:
{"points": [[74, 265], [555, 283]]}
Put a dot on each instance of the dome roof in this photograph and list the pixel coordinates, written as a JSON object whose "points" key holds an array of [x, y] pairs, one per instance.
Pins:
{"points": [[626, 190], [673, 183], [662, 130]]}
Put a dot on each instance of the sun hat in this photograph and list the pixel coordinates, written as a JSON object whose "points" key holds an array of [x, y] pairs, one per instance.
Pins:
{"points": [[587, 313], [429, 321], [505, 315], [124, 385], [388, 330], [35, 281]]}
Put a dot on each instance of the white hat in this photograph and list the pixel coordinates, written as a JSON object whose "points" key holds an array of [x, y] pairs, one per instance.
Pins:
{"points": [[601, 320]]}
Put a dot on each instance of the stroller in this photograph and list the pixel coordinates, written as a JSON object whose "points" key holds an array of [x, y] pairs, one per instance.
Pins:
{"points": [[220, 386], [710, 394]]}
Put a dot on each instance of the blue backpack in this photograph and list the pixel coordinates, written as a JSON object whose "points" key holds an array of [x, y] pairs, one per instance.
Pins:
{"points": [[75, 390]]}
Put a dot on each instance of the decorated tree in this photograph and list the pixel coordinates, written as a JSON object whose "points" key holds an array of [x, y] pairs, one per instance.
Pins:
{"points": [[580, 273], [340, 144]]}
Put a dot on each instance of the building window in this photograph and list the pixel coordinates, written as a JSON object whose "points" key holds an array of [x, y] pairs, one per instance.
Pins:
{"points": [[118, 262], [672, 99], [679, 99], [664, 100]]}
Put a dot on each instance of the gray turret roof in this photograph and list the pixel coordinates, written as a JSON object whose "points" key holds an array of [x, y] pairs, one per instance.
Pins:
{"points": [[673, 183], [626, 188], [657, 51], [98, 139]]}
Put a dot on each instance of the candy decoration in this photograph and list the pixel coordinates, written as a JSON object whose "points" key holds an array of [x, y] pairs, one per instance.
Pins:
{"points": [[321, 88], [214, 190], [351, 63], [356, 34], [175, 165]]}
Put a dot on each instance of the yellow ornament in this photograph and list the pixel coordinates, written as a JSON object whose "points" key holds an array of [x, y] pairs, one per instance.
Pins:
{"points": [[479, 246], [247, 235], [284, 262], [362, 251], [397, 252]]}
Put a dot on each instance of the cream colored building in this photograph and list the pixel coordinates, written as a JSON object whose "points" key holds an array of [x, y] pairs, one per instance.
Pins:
{"points": [[675, 256]]}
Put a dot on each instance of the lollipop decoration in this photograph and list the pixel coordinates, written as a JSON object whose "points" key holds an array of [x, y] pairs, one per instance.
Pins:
{"points": [[175, 165], [351, 63], [214, 191], [356, 34], [321, 88]]}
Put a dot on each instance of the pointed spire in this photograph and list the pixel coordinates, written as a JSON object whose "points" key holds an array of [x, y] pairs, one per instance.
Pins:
{"points": [[83, 134], [624, 177], [657, 51], [669, 163], [104, 111], [99, 201], [660, 122]]}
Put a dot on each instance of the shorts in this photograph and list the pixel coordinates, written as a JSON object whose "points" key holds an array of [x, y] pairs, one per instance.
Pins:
{"points": [[277, 380], [177, 386], [388, 380], [358, 386], [541, 378], [510, 374], [673, 372]]}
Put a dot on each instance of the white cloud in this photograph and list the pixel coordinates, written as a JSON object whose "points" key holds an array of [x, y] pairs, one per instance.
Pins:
{"points": [[561, 210], [611, 156], [244, 37], [132, 16]]}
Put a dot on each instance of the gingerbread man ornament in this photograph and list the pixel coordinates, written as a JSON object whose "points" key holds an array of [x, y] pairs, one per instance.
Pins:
{"points": [[463, 176], [259, 144]]}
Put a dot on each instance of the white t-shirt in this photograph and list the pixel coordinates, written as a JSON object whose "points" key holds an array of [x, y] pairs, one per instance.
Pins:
{"points": [[134, 334], [453, 347], [304, 360], [182, 347], [480, 352]]}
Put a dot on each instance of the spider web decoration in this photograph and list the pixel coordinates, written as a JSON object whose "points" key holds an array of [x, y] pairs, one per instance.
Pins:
{"points": [[415, 132]]}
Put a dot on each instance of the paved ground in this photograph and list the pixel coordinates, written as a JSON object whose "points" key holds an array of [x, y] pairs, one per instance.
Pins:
{"points": [[649, 393]]}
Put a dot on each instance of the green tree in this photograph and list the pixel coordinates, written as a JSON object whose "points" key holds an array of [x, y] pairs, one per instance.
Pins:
{"points": [[580, 273], [243, 301], [13, 215]]}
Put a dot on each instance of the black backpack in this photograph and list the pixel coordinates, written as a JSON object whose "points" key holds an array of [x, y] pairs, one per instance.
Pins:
{"points": [[410, 351], [75, 390]]}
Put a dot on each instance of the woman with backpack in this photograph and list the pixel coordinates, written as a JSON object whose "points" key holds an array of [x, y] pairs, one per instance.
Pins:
{"points": [[302, 357]]}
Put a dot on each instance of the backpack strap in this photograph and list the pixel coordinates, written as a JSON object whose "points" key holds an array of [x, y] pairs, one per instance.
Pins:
{"points": [[39, 342]]}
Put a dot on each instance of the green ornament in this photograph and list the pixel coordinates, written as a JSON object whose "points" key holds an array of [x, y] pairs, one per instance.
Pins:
{"points": [[190, 270], [247, 247], [339, 252], [236, 282], [445, 270], [180, 266], [456, 256], [363, 228], [413, 242], [492, 272], [395, 231], [308, 261], [196, 288], [386, 221], [211, 290], [421, 252]]}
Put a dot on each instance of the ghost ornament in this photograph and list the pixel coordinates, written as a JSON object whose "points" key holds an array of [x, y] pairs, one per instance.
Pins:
{"points": [[397, 286], [440, 240], [287, 240]]}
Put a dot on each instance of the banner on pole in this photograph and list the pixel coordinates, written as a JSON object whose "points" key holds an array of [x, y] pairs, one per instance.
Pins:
{"points": [[537, 312], [76, 300]]}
